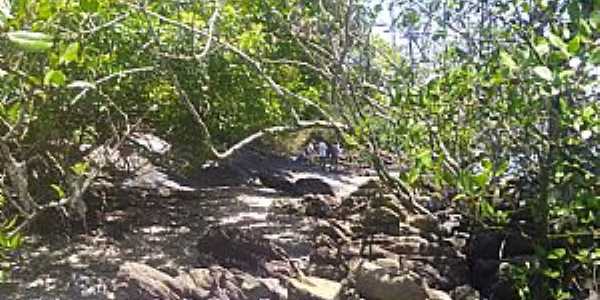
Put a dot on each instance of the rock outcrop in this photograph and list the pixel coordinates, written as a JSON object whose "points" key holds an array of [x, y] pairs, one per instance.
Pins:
{"points": [[139, 281], [317, 186], [243, 249]]}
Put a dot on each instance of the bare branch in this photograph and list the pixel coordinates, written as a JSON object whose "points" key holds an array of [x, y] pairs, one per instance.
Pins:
{"points": [[109, 77], [107, 24], [325, 73], [279, 90], [239, 145], [211, 28]]}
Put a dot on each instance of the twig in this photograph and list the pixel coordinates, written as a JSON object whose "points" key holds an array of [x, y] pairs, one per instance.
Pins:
{"points": [[107, 24], [109, 77], [211, 28]]}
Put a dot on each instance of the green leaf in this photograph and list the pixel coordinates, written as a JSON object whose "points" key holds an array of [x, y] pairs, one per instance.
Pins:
{"points": [[487, 210], [557, 253], [30, 41], [543, 72], [412, 175], [59, 191], [55, 78], [80, 168], [503, 167], [587, 113], [482, 179], [424, 159], [566, 74], [44, 8], [349, 140], [10, 224], [70, 54], [583, 255], [542, 48], [459, 197], [507, 60], [574, 45], [554, 274], [557, 42], [13, 112], [89, 6], [487, 165], [596, 254]]}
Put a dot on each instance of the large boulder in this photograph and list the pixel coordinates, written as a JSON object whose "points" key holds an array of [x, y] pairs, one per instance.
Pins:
{"points": [[313, 288], [433, 294], [139, 281], [244, 249], [367, 189], [277, 182], [305, 186], [324, 256], [465, 292], [320, 206], [381, 220], [382, 280]]}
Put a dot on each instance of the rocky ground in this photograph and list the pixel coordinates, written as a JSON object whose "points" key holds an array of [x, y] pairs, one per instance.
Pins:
{"points": [[259, 227]]}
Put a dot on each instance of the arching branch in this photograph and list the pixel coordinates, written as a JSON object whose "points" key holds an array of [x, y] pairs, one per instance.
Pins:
{"points": [[299, 125]]}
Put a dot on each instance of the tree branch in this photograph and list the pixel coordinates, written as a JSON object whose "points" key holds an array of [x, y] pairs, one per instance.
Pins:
{"points": [[279, 90], [239, 145]]}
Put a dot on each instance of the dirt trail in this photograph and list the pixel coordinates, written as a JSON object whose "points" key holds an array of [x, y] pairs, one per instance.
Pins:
{"points": [[159, 229]]}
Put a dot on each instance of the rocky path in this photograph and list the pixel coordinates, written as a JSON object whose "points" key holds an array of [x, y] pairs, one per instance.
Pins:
{"points": [[154, 226], [159, 226]]}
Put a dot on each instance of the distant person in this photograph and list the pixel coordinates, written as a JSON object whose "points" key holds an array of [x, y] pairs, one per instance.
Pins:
{"points": [[335, 152], [322, 153], [310, 149], [308, 153]]}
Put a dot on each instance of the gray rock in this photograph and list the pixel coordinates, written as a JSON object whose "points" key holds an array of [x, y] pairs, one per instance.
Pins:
{"points": [[139, 281], [465, 292], [319, 205], [276, 181], [382, 220], [374, 281], [313, 288], [433, 294], [407, 245], [305, 186]]}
